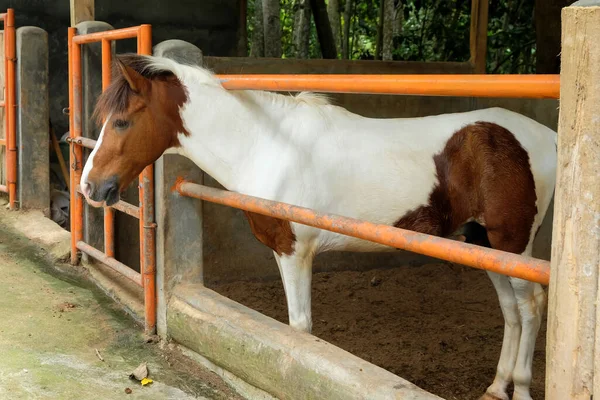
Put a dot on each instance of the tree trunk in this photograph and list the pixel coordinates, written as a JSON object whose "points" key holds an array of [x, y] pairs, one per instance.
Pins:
{"points": [[302, 29], [399, 19], [333, 11], [547, 29], [389, 13], [242, 46], [380, 29], [347, 22], [272, 26], [328, 49], [258, 33]]}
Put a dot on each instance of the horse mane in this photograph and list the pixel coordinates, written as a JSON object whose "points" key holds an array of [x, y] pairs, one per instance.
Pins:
{"points": [[117, 95]]}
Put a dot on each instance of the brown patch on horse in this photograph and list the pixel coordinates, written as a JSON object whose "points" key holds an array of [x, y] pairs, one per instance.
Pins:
{"points": [[484, 174], [272, 232], [147, 100]]}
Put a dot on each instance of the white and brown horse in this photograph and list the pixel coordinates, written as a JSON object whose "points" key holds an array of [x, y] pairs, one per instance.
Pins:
{"points": [[435, 174]]}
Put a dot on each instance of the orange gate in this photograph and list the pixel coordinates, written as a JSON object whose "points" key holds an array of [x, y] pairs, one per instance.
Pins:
{"points": [[145, 212], [10, 140]]}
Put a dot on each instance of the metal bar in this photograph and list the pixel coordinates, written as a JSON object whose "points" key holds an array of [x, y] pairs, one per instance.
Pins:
{"points": [[497, 261], [522, 86], [116, 34], [10, 109], [76, 153], [127, 208], [110, 262], [122, 206], [83, 141], [147, 225], [109, 216], [106, 63]]}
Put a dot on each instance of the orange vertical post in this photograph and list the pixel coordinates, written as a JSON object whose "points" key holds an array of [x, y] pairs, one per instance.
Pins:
{"points": [[10, 107], [141, 188], [109, 214], [76, 153], [147, 224]]}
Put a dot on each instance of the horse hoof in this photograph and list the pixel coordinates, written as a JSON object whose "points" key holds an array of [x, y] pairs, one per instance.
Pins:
{"points": [[488, 396], [517, 396]]}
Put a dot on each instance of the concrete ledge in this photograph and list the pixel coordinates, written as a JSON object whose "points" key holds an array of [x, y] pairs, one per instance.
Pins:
{"points": [[242, 387], [126, 293], [46, 233], [272, 356]]}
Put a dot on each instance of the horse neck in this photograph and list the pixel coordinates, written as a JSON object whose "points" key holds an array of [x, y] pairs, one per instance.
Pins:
{"points": [[229, 132]]}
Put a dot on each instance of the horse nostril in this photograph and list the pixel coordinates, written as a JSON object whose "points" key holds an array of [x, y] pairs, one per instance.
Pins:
{"points": [[112, 196], [87, 189]]}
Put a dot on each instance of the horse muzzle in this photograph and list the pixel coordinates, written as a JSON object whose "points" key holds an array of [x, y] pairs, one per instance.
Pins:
{"points": [[105, 193]]}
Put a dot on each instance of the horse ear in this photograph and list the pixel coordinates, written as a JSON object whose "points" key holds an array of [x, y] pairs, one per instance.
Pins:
{"points": [[133, 78]]}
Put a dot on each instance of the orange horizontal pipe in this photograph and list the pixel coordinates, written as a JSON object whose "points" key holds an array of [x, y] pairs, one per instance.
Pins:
{"points": [[83, 141], [470, 255], [110, 262], [3, 188], [523, 86], [2, 142], [125, 33]]}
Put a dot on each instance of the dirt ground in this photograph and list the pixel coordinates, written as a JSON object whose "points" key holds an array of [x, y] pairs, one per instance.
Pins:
{"points": [[438, 325]]}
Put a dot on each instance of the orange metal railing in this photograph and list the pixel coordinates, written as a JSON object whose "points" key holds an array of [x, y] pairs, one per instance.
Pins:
{"points": [[501, 262], [523, 86], [145, 213], [9, 104]]}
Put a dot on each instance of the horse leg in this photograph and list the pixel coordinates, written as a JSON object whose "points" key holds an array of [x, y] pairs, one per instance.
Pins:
{"points": [[296, 274], [531, 300], [510, 342], [522, 305]]}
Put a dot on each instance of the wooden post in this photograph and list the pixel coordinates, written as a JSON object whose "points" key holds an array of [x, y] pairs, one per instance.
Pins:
{"points": [[478, 42], [81, 10], [573, 341]]}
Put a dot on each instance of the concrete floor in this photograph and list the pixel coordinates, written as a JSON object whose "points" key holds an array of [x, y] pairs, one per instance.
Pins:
{"points": [[51, 325]]}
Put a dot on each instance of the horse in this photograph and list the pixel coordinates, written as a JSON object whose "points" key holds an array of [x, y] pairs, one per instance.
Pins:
{"points": [[492, 168]]}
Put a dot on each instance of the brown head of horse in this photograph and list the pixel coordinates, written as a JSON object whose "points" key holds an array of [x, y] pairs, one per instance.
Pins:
{"points": [[139, 113]]}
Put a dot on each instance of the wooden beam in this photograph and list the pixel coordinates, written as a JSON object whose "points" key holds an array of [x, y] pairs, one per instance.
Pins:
{"points": [[478, 37], [81, 10], [573, 341]]}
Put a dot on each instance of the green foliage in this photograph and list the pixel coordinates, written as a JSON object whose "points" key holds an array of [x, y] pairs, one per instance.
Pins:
{"points": [[432, 30], [511, 37]]}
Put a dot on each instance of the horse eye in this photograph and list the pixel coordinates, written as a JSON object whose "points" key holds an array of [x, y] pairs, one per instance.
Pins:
{"points": [[121, 124]]}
